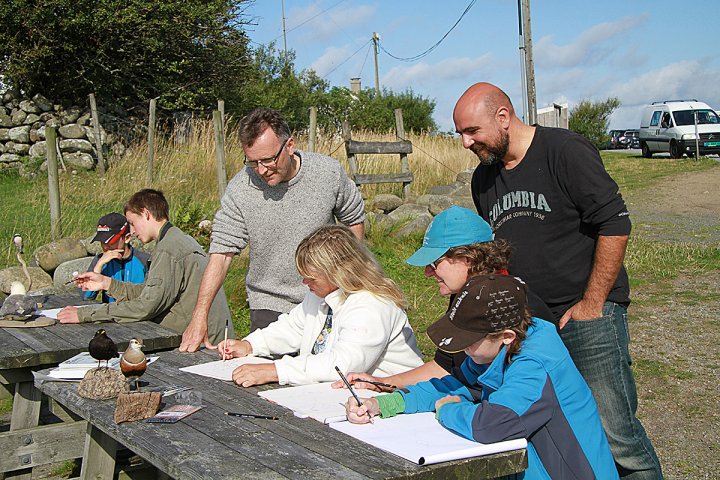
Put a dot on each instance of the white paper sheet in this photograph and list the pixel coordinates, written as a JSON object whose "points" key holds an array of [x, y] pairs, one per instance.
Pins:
{"points": [[50, 313], [67, 372], [222, 370], [319, 400], [420, 438]]}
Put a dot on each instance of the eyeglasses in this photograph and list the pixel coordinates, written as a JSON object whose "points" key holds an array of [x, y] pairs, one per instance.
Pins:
{"points": [[267, 162], [434, 265]]}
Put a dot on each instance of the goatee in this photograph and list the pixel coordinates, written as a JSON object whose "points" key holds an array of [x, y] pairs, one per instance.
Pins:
{"points": [[491, 154]]}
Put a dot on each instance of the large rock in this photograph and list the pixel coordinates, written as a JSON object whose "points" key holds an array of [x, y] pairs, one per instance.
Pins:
{"points": [[9, 158], [408, 211], [417, 224], [40, 278], [90, 134], [75, 145], [435, 203], [43, 103], [79, 160], [31, 118], [49, 256], [29, 106], [66, 270], [463, 191], [386, 202], [4, 134], [6, 121], [70, 115], [18, 117], [21, 149], [93, 248], [72, 130], [38, 150], [442, 189], [20, 134], [465, 177]]}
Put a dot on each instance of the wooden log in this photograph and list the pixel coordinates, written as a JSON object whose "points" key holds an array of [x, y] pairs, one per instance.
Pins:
{"points": [[220, 152], [355, 147], [98, 139], [53, 183], [383, 178], [404, 163], [151, 144], [312, 129]]}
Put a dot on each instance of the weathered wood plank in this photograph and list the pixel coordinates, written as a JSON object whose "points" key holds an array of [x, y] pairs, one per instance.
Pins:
{"points": [[38, 446], [353, 147], [383, 178], [98, 455]]}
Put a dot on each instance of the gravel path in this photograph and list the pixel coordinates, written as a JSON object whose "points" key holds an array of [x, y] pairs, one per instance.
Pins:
{"points": [[675, 326]]}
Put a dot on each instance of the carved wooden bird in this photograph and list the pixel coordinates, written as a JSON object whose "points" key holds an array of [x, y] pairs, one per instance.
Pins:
{"points": [[133, 362], [101, 347]]}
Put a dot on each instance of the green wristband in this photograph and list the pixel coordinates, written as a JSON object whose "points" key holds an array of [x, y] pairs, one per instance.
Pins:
{"points": [[391, 404]]}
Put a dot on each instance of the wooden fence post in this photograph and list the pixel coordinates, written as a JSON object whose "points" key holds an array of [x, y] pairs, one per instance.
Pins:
{"points": [[53, 183], [312, 129], [221, 109], [404, 163], [220, 152], [151, 144], [98, 140]]}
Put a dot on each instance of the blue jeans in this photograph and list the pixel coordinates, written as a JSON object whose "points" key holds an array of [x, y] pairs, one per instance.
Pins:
{"points": [[599, 348]]}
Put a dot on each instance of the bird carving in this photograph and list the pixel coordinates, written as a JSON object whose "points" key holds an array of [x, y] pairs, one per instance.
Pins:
{"points": [[133, 362], [102, 348]]}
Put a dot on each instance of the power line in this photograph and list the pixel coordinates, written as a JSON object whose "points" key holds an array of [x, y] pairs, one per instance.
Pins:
{"points": [[344, 61], [311, 18], [421, 55], [365, 60]]}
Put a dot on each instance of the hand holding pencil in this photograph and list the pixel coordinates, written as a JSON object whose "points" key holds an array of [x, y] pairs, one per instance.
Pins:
{"points": [[363, 413]]}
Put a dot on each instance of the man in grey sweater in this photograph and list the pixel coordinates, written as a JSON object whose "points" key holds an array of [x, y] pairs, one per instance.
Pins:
{"points": [[281, 196]]}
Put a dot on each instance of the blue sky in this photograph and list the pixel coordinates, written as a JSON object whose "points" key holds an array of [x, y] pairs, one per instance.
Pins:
{"points": [[638, 51]]}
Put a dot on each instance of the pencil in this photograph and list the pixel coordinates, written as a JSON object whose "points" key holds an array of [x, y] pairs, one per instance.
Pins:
{"points": [[347, 384], [251, 415], [72, 280], [377, 384], [227, 321]]}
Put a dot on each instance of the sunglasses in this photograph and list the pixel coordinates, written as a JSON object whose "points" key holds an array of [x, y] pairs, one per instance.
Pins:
{"points": [[266, 162]]}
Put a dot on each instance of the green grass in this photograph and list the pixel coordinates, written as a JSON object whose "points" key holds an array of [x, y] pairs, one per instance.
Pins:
{"points": [[660, 370]]}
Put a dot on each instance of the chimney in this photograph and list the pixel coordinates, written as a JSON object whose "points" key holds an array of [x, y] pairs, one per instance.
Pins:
{"points": [[355, 85]]}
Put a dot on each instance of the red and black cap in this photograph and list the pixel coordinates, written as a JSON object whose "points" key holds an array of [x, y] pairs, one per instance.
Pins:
{"points": [[110, 228]]}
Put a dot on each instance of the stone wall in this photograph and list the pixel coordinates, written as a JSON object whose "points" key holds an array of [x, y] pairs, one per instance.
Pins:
{"points": [[23, 145]]}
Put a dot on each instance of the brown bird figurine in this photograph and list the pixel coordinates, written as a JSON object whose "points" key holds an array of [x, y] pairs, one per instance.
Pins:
{"points": [[133, 362], [101, 347]]}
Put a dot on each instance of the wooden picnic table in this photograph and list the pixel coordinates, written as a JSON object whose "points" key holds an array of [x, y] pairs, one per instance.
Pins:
{"points": [[24, 350], [210, 444]]}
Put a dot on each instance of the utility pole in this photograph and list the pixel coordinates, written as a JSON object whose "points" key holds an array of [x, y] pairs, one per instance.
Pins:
{"points": [[376, 38], [284, 32], [524, 12]]}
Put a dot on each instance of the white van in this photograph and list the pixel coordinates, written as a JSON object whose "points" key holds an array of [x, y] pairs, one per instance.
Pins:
{"points": [[670, 126]]}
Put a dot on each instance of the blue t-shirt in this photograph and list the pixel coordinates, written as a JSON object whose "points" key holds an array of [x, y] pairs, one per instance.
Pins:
{"points": [[132, 269]]}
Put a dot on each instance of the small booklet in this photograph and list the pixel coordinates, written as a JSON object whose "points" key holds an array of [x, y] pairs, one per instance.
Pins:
{"points": [[222, 369], [173, 414]]}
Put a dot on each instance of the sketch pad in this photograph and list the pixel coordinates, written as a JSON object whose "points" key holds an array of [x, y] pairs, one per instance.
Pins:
{"points": [[420, 438], [222, 370], [318, 400]]}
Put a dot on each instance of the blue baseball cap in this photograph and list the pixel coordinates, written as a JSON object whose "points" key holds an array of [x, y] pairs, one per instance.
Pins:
{"points": [[453, 227]]}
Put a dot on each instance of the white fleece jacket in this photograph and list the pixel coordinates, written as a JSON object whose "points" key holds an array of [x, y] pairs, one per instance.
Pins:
{"points": [[369, 334]]}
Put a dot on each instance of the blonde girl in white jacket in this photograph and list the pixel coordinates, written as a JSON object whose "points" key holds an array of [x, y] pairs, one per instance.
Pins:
{"points": [[352, 317]]}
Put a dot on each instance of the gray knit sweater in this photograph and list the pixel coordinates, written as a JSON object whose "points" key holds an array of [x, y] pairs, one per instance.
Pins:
{"points": [[274, 220]]}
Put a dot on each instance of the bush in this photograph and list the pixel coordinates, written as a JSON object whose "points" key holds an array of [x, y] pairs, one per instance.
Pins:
{"points": [[591, 119]]}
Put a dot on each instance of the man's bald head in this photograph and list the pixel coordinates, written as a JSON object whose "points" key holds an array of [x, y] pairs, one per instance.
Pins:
{"points": [[487, 95]]}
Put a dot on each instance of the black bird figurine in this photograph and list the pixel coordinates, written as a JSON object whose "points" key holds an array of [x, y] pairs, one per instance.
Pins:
{"points": [[101, 347]]}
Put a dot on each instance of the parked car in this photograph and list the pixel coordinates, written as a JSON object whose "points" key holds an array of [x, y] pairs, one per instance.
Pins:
{"points": [[613, 140], [629, 139], [677, 126]]}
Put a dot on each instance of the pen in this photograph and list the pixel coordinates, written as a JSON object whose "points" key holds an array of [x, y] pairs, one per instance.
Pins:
{"points": [[227, 321], [377, 384], [347, 384], [72, 280], [251, 415]]}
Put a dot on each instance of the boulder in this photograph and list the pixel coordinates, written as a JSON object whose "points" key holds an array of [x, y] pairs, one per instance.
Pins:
{"points": [[386, 202], [465, 177], [31, 118], [79, 160], [18, 117], [67, 270], [2, 148], [408, 211], [40, 278], [6, 121], [93, 248], [28, 106], [9, 158], [41, 132], [70, 115], [34, 137], [20, 134], [442, 189], [463, 191], [42, 103], [90, 134], [53, 122], [4, 134], [84, 119], [417, 224], [21, 149], [75, 145], [38, 150], [436, 203], [72, 130], [49, 256]]}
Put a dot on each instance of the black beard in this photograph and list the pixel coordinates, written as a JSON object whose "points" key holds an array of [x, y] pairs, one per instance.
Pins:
{"points": [[491, 154]]}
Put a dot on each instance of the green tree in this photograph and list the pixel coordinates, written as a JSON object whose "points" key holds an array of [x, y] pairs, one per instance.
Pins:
{"points": [[591, 119], [187, 53]]}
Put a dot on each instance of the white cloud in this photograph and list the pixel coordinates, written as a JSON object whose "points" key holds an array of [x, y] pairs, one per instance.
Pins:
{"points": [[425, 74], [328, 25], [593, 45], [331, 58]]}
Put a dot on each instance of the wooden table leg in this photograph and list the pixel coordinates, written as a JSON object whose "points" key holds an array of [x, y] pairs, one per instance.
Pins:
{"points": [[98, 456], [25, 414]]}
